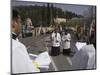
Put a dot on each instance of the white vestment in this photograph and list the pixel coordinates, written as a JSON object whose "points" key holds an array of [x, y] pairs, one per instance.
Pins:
{"points": [[84, 58], [54, 38], [21, 62], [66, 41]]}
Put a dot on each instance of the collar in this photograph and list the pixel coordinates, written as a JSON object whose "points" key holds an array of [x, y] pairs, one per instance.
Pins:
{"points": [[14, 35]]}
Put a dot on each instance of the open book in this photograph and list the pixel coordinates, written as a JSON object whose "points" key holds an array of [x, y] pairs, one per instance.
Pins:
{"points": [[43, 59]]}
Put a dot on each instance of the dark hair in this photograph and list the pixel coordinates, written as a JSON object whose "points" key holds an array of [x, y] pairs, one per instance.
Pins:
{"points": [[15, 14], [66, 33]]}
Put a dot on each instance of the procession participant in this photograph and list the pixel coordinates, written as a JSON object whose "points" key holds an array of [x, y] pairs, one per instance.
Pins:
{"points": [[66, 38], [56, 40]]}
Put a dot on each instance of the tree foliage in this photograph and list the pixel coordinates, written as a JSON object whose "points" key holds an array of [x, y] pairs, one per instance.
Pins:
{"points": [[44, 15]]}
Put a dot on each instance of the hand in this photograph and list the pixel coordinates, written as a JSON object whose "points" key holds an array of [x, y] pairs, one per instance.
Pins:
{"points": [[57, 41], [66, 40]]}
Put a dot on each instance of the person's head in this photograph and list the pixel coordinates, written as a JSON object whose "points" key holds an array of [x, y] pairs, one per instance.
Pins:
{"points": [[56, 29], [66, 32], [63, 33], [15, 22]]}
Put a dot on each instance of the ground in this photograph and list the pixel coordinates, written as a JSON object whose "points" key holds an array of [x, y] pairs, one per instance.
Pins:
{"points": [[41, 43]]}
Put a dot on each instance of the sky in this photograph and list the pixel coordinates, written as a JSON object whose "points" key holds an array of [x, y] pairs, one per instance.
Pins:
{"points": [[78, 9]]}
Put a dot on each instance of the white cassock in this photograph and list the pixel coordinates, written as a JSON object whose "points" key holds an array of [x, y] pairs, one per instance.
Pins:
{"points": [[84, 58], [66, 44], [54, 39], [21, 62]]}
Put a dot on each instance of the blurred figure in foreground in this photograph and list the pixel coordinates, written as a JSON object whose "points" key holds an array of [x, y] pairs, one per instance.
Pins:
{"points": [[84, 58], [21, 62]]}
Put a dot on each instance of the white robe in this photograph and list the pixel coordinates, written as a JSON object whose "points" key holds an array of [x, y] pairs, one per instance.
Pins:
{"points": [[54, 39], [84, 58], [21, 62], [66, 44]]}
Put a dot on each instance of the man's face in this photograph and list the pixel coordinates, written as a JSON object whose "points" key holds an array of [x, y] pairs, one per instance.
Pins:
{"points": [[17, 25]]}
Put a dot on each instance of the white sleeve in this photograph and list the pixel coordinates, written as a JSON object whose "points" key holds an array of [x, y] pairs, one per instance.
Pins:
{"points": [[63, 38], [21, 61], [69, 37], [59, 38]]}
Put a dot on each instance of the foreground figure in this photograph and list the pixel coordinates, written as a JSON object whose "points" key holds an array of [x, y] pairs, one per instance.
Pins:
{"points": [[21, 62]]}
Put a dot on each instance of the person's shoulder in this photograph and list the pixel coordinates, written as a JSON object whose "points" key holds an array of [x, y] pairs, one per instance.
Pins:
{"points": [[68, 34], [58, 33], [16, 43], [52, 33], [88, 48]]}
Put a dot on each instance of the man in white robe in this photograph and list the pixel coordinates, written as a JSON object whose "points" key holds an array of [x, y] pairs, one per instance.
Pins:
{"points": [[21, 62], [55, 41], [66, 38]]}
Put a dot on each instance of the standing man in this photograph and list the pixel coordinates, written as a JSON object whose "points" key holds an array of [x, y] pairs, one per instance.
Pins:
{"points": [[56, 40], [66, 38], [21, 62]]}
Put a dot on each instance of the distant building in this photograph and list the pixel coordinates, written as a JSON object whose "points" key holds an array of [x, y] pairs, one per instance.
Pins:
{"points": [[59, 20]]}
